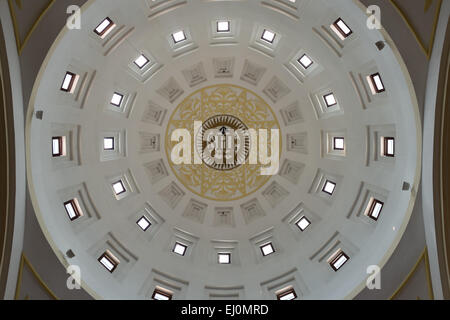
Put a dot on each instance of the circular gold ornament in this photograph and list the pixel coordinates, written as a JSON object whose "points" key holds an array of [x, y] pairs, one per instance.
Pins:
{"points": [[232, 107]]}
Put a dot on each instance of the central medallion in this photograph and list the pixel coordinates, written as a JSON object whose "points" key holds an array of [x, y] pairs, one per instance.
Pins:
{"points": [[222, 109], [226, 132]]}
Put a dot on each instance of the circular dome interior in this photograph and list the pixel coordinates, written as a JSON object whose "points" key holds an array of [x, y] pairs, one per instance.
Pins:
{"points": [[99, 139]]}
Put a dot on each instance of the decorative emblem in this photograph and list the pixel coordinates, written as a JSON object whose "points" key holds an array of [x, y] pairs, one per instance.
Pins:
{"points": [[222, 130], [220, 107]]}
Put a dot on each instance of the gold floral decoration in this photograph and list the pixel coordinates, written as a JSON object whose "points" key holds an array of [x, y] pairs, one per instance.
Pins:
{"points": [[203, 104]]}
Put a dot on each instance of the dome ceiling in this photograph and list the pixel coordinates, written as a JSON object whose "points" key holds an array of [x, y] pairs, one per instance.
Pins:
{"points": [[108, 102]]}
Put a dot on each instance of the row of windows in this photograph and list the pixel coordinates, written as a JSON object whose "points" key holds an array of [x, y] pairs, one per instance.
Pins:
{"points": [[59, 145], [109, 144], [373, 209], [224, 26], [374, 80], [163, 294], [336, 261], [119, 188], [222, 257], [375, 83], [339, 26], [110, 262]]}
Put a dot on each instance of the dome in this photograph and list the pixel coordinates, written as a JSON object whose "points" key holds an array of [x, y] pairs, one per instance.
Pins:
{"points": [[343, 133]]}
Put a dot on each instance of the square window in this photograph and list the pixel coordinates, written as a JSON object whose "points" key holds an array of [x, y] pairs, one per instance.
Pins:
{"points": [[267, 249], [341, 29], [388, 146], [330, 100], [105, 27], [338, 143], [109, 261], [70, 82], [305, 61], [223, 26], [180, 249], [287, 294], [224, 258], [160, 294], [116, 99], [141, 61], [375, 83], [329, 187], [303, 223], [178, 36], [108, 143], [73, 209], [119, 188], [374, 209], [58, 146], [268, 36], [338, 260], [144, 223]]}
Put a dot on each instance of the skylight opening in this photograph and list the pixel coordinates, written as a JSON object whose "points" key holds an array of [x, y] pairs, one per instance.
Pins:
{"points": [[305, 61], [162, 294], [286, 294], [224, 258], [329, 187], [116, 99], [58, 146], [338, 143], [375, 83], [388, 146], [330, 100], [374, 209], [338, 260], [141, 61], [178, 36], [180, 249], [223, 26], [108, 143], [144, 223], [268, 36], [119, 188], [70, 82], [104, 28], [341, 29], [267, 249], [303, 223], [73, 209], [109, 261]]}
